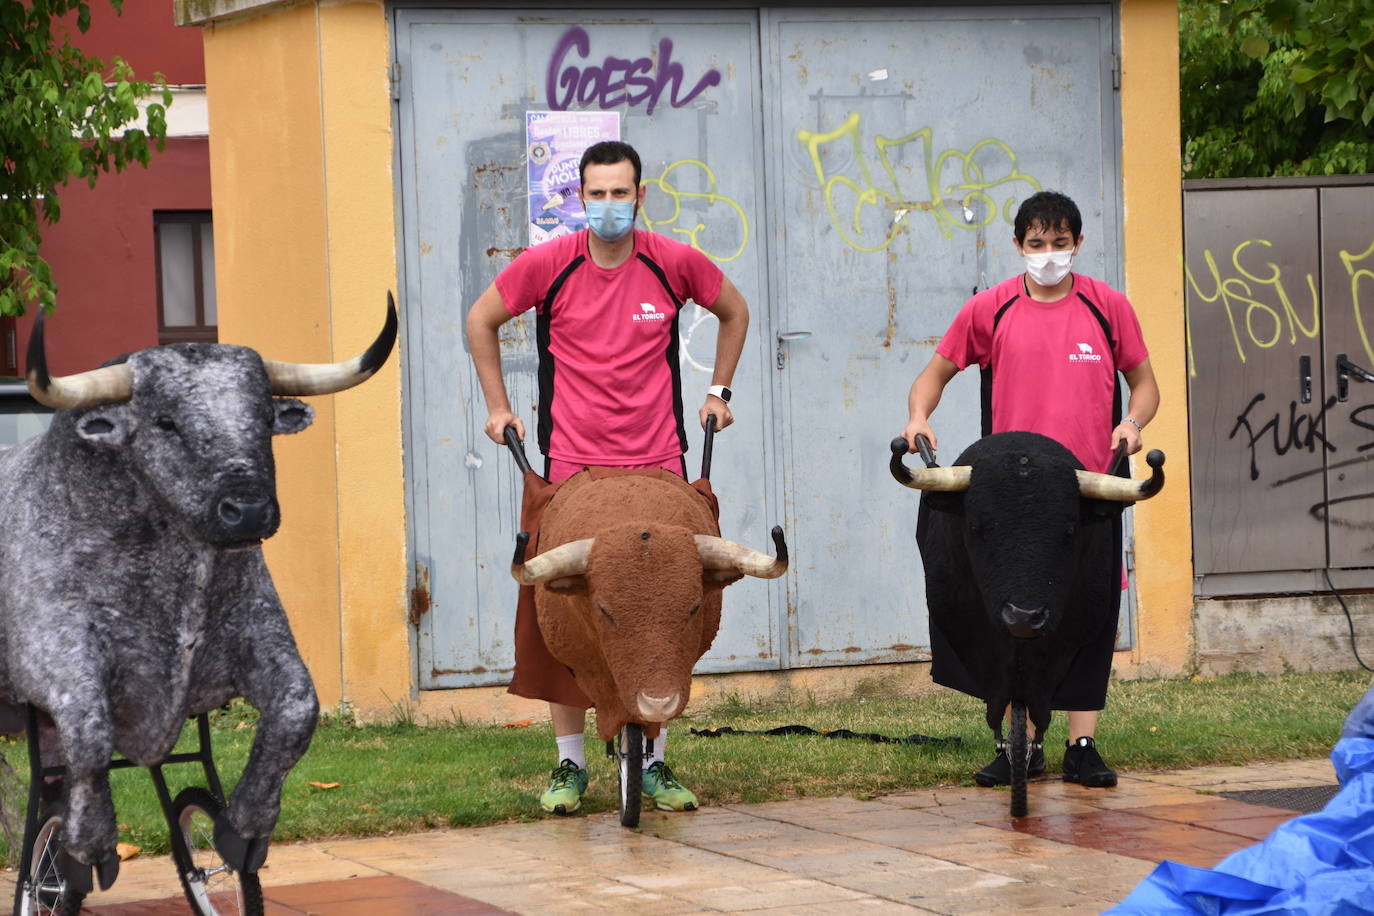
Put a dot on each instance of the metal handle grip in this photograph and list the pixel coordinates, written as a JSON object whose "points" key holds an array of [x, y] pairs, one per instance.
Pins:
{"points": [[927, 453], [706, 446], [517, 449]]}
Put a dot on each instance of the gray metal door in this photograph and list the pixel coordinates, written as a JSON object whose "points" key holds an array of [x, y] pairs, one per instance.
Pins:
{"points": [[903, 141], [1347, 254], [1258, 437], [467, 78]]}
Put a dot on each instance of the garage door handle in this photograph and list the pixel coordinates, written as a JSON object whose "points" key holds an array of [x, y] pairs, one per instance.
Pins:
{"points": [[1344, 369], [784, 337]]}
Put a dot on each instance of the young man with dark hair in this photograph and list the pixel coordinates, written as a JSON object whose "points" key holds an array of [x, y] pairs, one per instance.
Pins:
{"points": [[610, 395], [1031, 334]]}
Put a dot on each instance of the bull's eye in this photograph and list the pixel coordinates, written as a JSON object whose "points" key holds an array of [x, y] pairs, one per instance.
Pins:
{"points": [[166, 424], [1070, 531], [695, 608], [605, 613]]}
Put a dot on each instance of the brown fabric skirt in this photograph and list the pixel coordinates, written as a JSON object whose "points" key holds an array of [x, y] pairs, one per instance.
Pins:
{"points": [[538, 675]]}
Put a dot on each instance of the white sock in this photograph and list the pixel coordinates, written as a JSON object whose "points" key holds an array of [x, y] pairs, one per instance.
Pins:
{"points": [[657, 756], [570, 747]]}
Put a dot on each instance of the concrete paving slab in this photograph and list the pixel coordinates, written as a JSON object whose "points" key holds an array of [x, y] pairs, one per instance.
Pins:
{"points": [[952, 850]]}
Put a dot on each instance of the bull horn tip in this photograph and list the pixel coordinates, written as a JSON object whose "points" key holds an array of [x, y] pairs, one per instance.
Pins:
{"points": [[1155, 458], [779, 542], [37, 358], [377, 354], [522, 542], [898, 446]]}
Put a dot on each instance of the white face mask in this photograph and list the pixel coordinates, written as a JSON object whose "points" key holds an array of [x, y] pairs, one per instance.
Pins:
{"points": [[1048, 267]]}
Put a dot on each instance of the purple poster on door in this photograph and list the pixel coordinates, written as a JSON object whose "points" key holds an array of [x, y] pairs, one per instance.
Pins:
{"points": [[555, 143]]}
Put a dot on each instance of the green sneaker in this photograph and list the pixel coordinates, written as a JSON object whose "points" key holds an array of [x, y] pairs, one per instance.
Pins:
{"points": [[666, 792], [566, 785]]}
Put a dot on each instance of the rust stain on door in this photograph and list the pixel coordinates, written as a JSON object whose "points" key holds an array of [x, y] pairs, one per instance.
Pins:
{"points": [[419, 595]]}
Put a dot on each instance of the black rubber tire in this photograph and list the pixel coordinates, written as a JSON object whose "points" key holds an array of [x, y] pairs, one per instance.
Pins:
{"points": [[1017, 753], [630, 764], [211, 886], [47, 893]]}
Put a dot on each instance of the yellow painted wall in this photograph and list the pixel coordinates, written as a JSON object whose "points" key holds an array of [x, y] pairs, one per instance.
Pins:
{"points": [[301, 166], [301, 163], [1153, 245]]}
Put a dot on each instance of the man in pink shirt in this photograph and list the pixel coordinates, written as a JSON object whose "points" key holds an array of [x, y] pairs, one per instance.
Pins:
{"points": [[607, 301], [1050, 343]]}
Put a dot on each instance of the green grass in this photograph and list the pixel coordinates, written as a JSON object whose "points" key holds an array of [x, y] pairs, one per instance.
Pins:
{"points": [[404, 777]]}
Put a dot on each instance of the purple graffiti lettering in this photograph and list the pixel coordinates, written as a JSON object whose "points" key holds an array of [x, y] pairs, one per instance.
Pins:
{"points": [[573, 38], [617, 81]]}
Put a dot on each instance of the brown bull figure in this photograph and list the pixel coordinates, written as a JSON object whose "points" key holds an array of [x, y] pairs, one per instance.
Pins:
{"points": [[629, 579]]}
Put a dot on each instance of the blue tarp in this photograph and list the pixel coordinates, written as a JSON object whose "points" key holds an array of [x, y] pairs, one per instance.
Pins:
{"points": [[1320, 863]]}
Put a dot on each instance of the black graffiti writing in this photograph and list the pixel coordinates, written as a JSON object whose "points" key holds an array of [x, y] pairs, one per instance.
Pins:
{"points": [[1358, 420], [1302, 431]]}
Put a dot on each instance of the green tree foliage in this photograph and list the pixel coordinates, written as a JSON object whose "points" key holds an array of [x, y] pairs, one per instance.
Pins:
{"points": [[1276, 87], [60, 116]]}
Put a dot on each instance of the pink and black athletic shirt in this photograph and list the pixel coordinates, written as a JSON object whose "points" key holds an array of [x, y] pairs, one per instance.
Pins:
{"points": [[610, 390], [1050, 367]]}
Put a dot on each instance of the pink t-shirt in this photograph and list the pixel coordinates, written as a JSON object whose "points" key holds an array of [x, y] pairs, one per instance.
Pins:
{"points": [[610, 392], [1053, 369]]}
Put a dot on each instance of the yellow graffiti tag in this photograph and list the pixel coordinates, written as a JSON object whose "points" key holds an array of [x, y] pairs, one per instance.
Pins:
{"points": [[1364, 273], [1260, 324], [723, 215], [951, 205]]}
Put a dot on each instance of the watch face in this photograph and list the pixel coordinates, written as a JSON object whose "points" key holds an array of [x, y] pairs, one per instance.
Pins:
{"points": [[724, 394]]}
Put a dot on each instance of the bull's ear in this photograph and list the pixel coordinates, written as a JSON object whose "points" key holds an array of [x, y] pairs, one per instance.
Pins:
{"points": [[292, 415], [568, 585], [110, 426]]}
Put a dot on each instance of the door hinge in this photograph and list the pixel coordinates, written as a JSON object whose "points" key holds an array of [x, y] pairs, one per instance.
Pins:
{"points": [[1116, 71], [395, 77]]}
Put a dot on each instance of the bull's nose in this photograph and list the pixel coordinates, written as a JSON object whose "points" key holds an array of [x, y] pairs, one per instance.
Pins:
{"points": [[657, 709], [1024, 623], [247, 518]]}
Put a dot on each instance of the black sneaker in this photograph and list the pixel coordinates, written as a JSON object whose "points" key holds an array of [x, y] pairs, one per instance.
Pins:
{"points": [[1083, 765], [998, 773]]}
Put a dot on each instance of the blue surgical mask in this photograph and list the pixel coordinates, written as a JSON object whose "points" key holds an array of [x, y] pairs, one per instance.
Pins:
{"points": [[611, 220]]}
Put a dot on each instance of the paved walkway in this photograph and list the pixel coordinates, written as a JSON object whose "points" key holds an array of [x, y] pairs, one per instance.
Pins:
{"points": [[951, 850]]}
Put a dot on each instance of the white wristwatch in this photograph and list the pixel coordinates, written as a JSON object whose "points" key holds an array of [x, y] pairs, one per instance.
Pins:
{"points": [[720, 391]]}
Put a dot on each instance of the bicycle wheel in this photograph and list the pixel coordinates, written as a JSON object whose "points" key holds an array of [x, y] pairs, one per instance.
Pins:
{"points": [[211, 886], [630, 757], [1017, 753], [46, 892]]}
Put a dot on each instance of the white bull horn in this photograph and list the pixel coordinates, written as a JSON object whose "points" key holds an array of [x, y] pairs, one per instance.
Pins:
{"points": [[1124, 489], [305, 379], [718, 553], [950, 480], [565, 560], [85, 389]]}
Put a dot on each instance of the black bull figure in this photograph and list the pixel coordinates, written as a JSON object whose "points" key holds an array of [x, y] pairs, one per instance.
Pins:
{"points": [[1021, 548], [133, 591]]}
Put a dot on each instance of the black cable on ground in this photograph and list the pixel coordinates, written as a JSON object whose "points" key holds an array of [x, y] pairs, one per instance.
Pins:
{"points": [[837, 733], [1350, 621]]}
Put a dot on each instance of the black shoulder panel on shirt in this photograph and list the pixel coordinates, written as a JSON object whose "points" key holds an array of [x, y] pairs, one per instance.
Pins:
{"points": [[662, 276]]}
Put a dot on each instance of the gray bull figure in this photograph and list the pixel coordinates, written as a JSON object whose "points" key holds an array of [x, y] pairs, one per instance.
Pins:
{"points": [[1021, 548], [133, 591]]}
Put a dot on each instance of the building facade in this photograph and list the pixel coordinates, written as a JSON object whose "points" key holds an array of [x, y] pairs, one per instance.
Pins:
{"points": [[853, 172], [133, 257]]}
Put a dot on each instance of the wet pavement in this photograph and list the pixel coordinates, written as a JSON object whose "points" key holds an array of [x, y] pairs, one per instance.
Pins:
{"points": [[944, 850]]}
